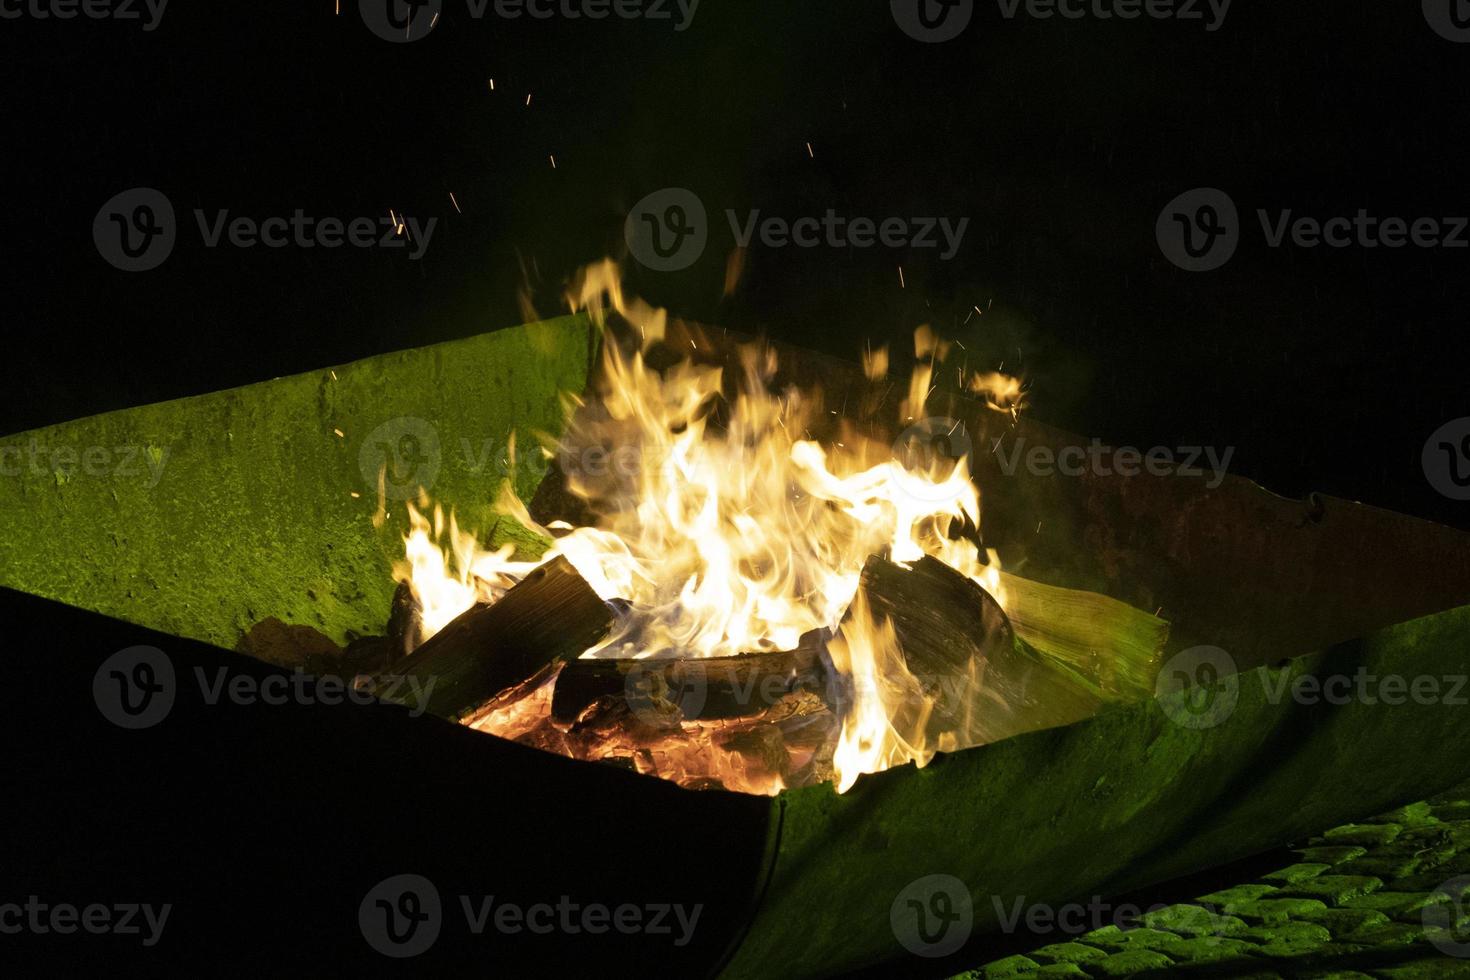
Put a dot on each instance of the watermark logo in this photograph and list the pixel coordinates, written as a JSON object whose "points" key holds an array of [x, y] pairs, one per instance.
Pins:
{"points": [[400, 457], [662, 694], [1450, 19], [1199, 230], [668, 230], [932, 21], [135, 688], [401, 916], [120, 10], [932, 916], [932, 446], [935, 21], [1447, 923], [1446, 459], [135, 230], [400, 21], [1198, 688]]}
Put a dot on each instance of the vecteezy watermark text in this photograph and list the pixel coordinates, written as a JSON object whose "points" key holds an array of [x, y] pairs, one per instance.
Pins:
{"points": [[1200, 230], [669, 230], [837, 231], [126, 462], [64, 918], [136, 688], [401, 21], [1200, 688], [1100, 460], [936, 21], [136, 230], [402, 916], [119, 10]]}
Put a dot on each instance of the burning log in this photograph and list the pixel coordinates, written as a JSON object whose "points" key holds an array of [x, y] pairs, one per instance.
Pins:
{"points": [[944, 621], [1011, 687], [671, 691], [500, 652], [404, 622]]}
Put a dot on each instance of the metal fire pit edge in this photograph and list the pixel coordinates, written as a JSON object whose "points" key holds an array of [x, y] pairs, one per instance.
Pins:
{"points": [[1132, 796]]}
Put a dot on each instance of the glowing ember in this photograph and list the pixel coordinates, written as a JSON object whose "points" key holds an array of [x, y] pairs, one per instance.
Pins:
{"points": [[726, 529]]}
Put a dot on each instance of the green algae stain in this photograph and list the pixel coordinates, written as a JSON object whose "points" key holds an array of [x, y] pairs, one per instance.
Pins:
{"points": [[204, 515]]}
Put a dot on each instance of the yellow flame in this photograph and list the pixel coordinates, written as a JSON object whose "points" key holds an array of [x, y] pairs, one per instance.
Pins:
{"points": [[727, 530]]}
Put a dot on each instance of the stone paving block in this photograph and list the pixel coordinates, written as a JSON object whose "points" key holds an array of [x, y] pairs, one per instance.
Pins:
{"points": [[1011, 966], [1414, 814], [1335, 889], [1393, 934], [1330, 855], [1269, 911], [1129, 962], [1430, 855], [1436, 880], [1066, 953], [1443, 915], [1227, 900], [1380, 866], [1140, 938], [1060, 971], [1412, 841], [1457, 865], [1457, 831], [1342, 922], [1106, 936], [1427, 968], [1210, 949], [1291, 874], [1193, 920], [1364, 834], [1394, 904], [1288, 939]]}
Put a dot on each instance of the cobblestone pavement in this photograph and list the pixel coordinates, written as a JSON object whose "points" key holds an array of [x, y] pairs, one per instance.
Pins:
{"points": [[1388, 897]]}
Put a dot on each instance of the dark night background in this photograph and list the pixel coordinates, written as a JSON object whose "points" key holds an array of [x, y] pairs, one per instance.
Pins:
{"points": [[1326, 369]]}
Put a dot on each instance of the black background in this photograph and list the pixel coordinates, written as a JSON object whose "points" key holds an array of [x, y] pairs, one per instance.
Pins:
{"points": [[1060, 140]]}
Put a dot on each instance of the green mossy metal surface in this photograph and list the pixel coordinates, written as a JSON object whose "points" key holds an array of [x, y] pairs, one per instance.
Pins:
{"points": [[1120, 801], [248, 511]]}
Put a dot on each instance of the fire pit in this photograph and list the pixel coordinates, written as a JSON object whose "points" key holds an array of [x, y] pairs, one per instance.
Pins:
{"points": [[1095, 786]]}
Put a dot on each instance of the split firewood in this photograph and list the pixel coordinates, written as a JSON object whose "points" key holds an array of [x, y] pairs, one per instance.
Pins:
{"points": [[666, 692], [943, 621], [953, 636], [494, 654], [405, 618]]}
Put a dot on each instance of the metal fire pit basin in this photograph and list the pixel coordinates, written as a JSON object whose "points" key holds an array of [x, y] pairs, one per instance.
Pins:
{"points": [[253, 515]]}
